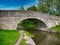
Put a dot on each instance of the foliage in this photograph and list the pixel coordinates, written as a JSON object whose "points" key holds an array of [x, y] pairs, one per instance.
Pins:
{"points": [[8, 37], [29, 34], [43, 8], [57, 28], [32, 8], [27, 24], [49, 3], [52, 6]]}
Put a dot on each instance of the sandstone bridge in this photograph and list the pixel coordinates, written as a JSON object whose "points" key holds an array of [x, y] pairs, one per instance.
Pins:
{"points": [[9, 19]]}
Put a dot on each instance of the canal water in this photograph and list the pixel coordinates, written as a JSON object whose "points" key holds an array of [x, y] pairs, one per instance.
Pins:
{"points": [[46, 38]]}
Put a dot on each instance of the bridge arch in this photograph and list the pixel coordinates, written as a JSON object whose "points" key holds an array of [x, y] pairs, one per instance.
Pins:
{"points": [[10, 19], [40, 24]]}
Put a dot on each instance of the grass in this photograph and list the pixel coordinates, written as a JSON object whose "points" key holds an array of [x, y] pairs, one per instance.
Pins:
{"points": [[56, 28], [8, 37], [23, 42], [29, 34]]}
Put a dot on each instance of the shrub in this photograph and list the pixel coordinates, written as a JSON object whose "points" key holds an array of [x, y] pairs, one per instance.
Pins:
{"points": [[27, 24]]}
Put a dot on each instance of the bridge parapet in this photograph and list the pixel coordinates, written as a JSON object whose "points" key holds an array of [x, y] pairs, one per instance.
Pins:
{"points": [[9, 19]]}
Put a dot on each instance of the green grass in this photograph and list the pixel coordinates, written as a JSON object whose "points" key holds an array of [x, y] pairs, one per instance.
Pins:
{"points": [[8, 37], [29, 34], [56, 28], [23, 42]]}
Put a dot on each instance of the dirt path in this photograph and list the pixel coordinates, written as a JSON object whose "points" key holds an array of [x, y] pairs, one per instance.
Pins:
{"points": [[29, 41], [20, 38]]}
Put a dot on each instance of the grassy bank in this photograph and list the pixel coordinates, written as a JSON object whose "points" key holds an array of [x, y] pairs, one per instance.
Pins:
{"points": [[8, 37], [56, 28], [23, 42]]}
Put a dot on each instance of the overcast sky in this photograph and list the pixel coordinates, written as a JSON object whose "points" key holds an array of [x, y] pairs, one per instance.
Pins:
{"points": [[15, 4]]}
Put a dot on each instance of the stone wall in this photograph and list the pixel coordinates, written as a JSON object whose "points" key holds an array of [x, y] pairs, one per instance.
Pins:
{"points": [[9, 19]]}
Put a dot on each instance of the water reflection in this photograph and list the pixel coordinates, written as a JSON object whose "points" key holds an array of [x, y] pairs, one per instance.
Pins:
{"points": [[45, 38]]}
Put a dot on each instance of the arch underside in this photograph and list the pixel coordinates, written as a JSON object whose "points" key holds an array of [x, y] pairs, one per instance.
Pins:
{"points": [[40, 24]]}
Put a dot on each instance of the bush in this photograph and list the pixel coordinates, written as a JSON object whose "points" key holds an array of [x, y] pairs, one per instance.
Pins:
{"points": [[56, 28], [27, 24]]}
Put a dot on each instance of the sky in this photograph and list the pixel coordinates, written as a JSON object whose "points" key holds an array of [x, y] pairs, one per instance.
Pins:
{"points": [[16, 4]]}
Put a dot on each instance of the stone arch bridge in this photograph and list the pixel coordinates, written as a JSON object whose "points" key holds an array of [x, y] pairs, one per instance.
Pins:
{"points": [[9, 19]]}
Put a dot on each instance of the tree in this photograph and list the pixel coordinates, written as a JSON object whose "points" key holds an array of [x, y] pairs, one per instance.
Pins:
{"points": [[49, 3], [49, 6], [43, 8], [32, 8], [58, 8], [22, 8]]}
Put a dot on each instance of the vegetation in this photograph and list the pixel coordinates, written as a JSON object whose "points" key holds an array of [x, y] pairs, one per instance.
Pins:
{"points": [[29, 34], [46, 6], [32, 8], [8, 37], [49, 6], [27, 24], [23, 42], [57, 28], [43, 8]]}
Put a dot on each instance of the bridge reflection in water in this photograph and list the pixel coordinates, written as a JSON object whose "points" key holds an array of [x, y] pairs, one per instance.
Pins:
{"points": [[45, 38]]}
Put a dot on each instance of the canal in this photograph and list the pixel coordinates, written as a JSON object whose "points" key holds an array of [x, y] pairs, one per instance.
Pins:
{"points": [[46, 38]]}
